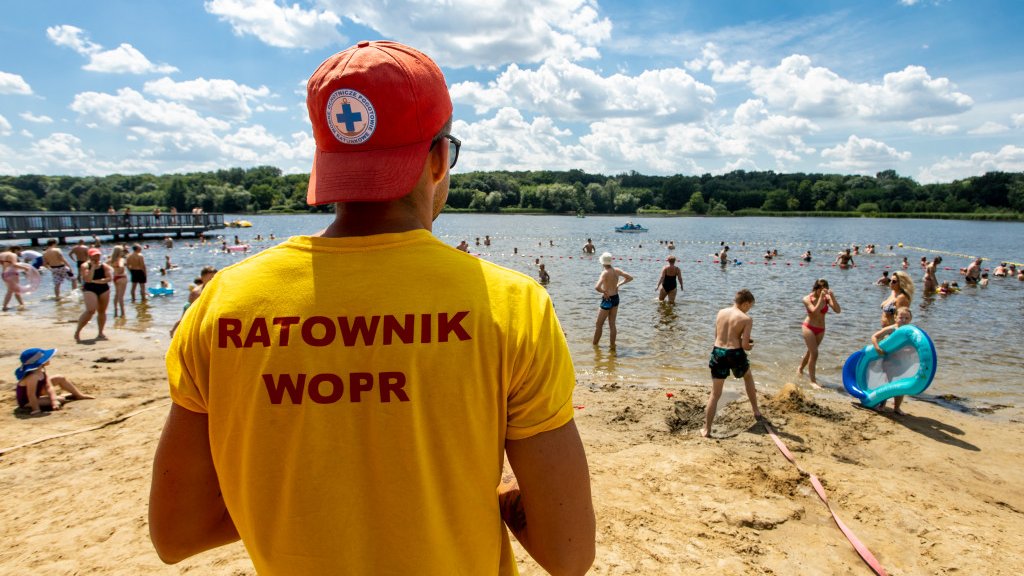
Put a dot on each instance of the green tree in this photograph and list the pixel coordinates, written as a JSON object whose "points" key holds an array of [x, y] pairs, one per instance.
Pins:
{"points": [[626, 203], [177, 195], [776, 201], [697, 205]]}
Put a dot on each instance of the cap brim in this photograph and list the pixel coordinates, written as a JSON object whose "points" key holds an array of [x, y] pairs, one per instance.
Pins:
{"points": [[365, 176]]}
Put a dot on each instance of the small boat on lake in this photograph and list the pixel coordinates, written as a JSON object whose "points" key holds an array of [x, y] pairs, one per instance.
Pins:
{"points": [[630, 228]]}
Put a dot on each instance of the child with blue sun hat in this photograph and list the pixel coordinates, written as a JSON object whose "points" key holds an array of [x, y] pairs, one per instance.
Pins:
{"points": [[36, 390]]}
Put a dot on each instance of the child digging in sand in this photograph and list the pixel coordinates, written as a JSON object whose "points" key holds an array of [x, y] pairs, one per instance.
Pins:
{"points": [[732, 340], [36, 390]]}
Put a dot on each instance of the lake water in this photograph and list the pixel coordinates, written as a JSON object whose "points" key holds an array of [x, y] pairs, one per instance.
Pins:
{"points": [[977, 332]]}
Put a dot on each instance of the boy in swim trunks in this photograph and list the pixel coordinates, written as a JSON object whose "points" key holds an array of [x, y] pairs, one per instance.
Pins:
{"points": [[136, 264], [60, 268], [608, 285], [732, 340]]}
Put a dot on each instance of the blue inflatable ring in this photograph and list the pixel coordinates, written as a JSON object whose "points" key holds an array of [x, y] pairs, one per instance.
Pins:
{"points": [[159, 291], [906, 369]]}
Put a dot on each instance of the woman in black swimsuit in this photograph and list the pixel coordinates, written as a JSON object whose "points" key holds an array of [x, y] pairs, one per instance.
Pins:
{"points": [[670, 274], [96, 278]]}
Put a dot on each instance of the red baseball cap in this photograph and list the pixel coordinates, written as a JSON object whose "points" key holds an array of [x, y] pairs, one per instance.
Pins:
{"points": [[375, 108]]}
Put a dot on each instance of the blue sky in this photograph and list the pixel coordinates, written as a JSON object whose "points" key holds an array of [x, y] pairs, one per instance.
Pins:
{"points": [[930, 88]]}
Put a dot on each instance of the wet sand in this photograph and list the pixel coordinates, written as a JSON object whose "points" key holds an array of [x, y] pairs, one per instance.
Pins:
{"points": [[933, 492]]}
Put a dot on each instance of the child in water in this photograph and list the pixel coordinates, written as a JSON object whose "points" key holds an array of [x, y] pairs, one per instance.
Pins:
{"points": [[903, 318], [543, 274], [12, 268]]}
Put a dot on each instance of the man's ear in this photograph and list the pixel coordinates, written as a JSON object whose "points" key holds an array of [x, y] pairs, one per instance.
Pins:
{"points": [[438, 161]]}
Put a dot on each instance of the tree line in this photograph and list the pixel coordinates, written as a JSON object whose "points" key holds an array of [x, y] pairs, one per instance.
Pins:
{"points": [[266, 189]]}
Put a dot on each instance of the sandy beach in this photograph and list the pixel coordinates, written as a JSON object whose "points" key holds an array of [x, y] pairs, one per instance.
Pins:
{"points": [[933, 492]]}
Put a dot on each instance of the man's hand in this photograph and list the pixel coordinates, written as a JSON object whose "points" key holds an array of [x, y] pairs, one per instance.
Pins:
{"points": [[510, 503]]}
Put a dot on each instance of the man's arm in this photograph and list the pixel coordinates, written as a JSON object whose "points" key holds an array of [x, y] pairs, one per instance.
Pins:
{"points": [[187, 514], [625, 277], [748, 325], [550, 510]]}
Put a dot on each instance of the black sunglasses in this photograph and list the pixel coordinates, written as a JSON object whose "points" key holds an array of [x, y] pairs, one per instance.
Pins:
{"points": [[453, 148]]}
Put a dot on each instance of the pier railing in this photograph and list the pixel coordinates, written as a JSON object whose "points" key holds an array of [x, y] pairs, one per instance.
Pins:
{"points": [[34, 226]]}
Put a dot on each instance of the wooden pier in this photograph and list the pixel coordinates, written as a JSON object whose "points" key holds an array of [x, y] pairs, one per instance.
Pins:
{"points": [[35, 226]]}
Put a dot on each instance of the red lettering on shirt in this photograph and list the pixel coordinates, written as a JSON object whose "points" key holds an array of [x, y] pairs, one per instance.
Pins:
{"points": [[229, 328], [307, 331], [320, 331], [359, 382], [258, 333], [358, 327], [285, 322], [405, 332], [337, 388], [392, 382], [284, 383], [446, 326], [425, 328], [330, 388]]}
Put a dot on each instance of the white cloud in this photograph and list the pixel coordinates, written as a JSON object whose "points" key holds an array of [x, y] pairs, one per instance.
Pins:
{"points": [[936, 129], [172, 136], [216, 96], [5, 126], [66, 149], [910, 93], [755, 129], [720, 72], [863, 156], [30, 117], [125, 59], [565, 90], [1018, 120], [72, 37], [754, 115], [511, 141], [129, 108], [809, 90], [486, 33], [63, 153], [989, 128], [279, 26], [1009, 158], [13, 84], [799, 87]]}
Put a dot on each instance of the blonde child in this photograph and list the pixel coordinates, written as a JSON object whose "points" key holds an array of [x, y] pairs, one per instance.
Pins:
{"points": [[903, 318]]}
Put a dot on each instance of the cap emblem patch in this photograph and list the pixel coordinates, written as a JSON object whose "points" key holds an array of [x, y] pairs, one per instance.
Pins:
{"points": [[351, 116]]}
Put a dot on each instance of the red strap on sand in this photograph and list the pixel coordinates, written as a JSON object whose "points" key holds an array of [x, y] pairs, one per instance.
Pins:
{"points": [[861, 549]]}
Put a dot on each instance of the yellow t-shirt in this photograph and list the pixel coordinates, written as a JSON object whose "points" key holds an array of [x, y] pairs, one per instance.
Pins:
{"points": [[360, 392]]}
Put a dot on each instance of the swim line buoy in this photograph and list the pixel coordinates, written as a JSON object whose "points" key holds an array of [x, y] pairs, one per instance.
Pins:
{"points": [[906, 369]]}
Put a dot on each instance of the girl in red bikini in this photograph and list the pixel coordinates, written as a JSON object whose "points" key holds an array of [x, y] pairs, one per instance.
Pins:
{"points": [[817, 303]]}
